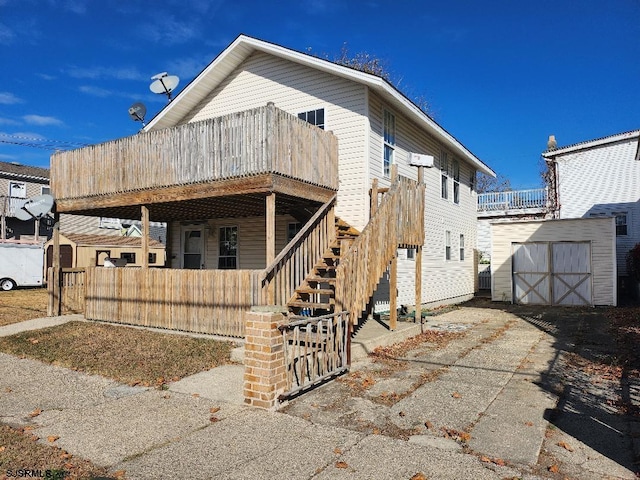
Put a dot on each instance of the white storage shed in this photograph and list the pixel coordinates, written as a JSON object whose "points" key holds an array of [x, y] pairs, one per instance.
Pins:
{"points": [[554, 262]]}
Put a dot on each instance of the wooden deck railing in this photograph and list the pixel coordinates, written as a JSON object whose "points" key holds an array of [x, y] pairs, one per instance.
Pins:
{"points": [[205, 301], [398, 222], [295, 261], [513, 200], [258, 141]]}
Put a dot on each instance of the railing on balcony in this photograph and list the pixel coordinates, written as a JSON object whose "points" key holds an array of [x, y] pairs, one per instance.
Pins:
{"points": [[9, 205], [513, 200], [258, 141]]}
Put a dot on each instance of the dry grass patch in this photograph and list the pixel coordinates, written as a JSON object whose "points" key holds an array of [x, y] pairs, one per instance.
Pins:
{"points": [[20, 451], [128, 355], [22, 304]]}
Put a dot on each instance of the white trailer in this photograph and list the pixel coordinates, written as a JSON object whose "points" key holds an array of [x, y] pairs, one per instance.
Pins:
{"points": [[21, 265]]}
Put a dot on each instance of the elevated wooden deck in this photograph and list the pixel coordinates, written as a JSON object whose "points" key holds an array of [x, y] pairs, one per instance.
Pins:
{"points": [[219, 167]]}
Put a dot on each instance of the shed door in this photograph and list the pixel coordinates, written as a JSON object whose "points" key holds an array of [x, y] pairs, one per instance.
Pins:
{"points": [[571, 273], [531, 273]]}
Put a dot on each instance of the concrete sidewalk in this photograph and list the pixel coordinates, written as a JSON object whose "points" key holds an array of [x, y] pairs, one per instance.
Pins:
{"points": [[200, 429]]}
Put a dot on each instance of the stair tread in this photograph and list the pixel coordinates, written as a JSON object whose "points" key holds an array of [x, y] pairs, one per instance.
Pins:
{"points": [[320, 291], [321, 279], [299, 303]]}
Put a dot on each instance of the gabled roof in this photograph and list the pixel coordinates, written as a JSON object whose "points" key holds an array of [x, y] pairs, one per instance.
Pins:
{"points": [[244, 46], [16, 170], [592, 144]]}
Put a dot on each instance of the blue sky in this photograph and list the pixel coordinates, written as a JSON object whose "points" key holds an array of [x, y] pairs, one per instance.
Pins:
{"points": [[499, 75]]}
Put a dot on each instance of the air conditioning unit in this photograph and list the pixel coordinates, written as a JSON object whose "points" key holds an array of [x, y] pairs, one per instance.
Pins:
{"points": [[420, 160]]}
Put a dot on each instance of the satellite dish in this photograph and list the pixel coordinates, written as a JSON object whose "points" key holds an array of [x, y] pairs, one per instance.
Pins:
{"points": [[164, 84], [137, 111], [36, 207]]}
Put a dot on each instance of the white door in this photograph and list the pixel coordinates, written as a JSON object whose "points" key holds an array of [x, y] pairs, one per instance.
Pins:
{"points": [[192, 247], [531, 273], [571, 273]]}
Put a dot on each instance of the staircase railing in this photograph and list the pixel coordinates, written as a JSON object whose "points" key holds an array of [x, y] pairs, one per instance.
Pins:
{"points": [[397, 222], [297, 259]]}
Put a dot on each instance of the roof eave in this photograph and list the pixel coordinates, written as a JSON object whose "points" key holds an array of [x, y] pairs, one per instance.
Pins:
{"points": [[551, 154]]}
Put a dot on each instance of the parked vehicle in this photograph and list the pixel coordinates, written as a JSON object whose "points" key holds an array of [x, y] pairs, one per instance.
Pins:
{"points": [[21, 265]]}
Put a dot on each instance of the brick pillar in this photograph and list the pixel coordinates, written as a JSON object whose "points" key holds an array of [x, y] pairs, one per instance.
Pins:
{"points": [[264, 365]]}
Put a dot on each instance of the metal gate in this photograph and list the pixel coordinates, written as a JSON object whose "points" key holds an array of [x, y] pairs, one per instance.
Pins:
{"points": [[552, 273]]}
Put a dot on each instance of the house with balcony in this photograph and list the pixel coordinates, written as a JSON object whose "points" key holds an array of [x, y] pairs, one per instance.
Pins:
{"points": [[284, 180], [18, 183], [600, 178]]}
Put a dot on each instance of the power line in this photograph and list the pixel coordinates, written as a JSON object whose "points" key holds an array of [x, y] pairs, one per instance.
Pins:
{"points": [[42, 143]]}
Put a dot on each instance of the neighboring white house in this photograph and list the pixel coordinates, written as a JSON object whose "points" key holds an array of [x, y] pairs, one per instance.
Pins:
{"points": [[600, 178], [376, 126]]}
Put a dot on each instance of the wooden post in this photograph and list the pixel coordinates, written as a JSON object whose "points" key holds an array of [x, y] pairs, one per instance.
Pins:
{"points": [[393, 294], [418, 307], [54, 290], [374, 198], [145, 236], [271, 240]]}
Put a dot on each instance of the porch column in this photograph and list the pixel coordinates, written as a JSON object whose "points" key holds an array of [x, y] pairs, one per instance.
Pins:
{"points": [[145, 236], [271, 240]]}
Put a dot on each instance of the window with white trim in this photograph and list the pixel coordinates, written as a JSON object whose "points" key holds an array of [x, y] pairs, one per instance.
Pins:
{"points": [[444, 175], [621, 224], [456, 181], [411, 253], [389, 133], [45, 190], [461, 247], [292, 230], [314, 117], [472, 181], [228, 248], [447, 245]]}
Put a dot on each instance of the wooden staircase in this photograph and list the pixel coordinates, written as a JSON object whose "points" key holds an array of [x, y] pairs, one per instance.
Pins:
{"points": [[316, 295]]}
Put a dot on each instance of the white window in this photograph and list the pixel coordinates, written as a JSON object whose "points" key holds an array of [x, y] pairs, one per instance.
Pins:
{"points": [[472, 181], [45, 190], [621, 224], [447, 245], [228, 248], [411, 253], [461, 247], [456, 182], [389, 141], [444, 175], [314, 117], [18, 189]]}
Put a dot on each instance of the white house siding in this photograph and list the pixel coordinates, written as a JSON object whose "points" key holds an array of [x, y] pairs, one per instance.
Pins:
{"points": [[600, 232], [603, 181], [295, 88], [251, 240], [442, 280]]}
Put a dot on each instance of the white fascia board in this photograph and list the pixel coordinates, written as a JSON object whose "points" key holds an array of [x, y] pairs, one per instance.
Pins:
{"points": [[550, 154]]}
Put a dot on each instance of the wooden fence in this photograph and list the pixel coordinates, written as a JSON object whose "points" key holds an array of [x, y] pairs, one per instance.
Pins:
{"points": [[398, 222], [204, 301], [261, 140], [71, 289], [293, 264], [315, 349]]}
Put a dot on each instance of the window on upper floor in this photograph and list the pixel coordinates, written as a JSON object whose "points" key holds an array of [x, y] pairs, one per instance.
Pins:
{"points": [[472, 181], [314, 117], [621, 224], [45, 190], [456, 181], [389, 133], [411, 253], [444, 175]]}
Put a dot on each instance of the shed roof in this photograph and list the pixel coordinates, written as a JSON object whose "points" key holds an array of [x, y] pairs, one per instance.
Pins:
{"points": [[243, 46]]}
